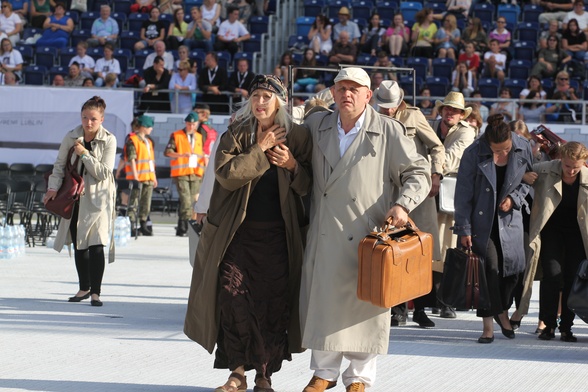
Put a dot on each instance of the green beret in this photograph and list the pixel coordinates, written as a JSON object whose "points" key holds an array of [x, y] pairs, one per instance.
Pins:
{"points": [[145, 121], [192, 117]]}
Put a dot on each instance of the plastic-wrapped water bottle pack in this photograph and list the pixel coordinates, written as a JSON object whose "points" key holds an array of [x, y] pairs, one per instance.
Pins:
{"points": [[12, 241]]}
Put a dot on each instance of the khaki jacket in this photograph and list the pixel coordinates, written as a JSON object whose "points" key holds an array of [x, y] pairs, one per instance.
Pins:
{"points": [[548, 194], [459, 137], [239, 164], [97, 204]]}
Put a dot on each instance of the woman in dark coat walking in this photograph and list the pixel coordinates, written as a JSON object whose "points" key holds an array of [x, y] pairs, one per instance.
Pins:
{"points": [[488, 199]]}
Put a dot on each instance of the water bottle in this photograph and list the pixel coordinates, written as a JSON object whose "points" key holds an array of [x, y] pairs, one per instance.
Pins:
{"points": [[22, 243], [9, 235], [117, 231], [3, 254]]}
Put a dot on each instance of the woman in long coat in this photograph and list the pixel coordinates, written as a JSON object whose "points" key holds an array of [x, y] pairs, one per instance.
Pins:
{"points": [[246, 278], [91, 225], [489, 196], [559, 244]]}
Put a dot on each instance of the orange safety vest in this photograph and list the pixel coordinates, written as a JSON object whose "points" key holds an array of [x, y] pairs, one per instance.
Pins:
{"points": [[145, 160], [180, 166]]}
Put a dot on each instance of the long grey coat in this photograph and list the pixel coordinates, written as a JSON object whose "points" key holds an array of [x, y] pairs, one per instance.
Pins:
{"points": [[240, 163], [97, 204], [477, 200], [548, 195], [351, 196]]}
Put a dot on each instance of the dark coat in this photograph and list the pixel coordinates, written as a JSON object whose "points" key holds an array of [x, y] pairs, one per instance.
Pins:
{"points": [[477, 199]]}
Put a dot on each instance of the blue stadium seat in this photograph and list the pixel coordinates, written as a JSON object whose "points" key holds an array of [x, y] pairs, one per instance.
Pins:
{"points": [[297, 41], [397, 61], [510, 12], [489, 87], [485, 12], [515, 86], [547, 85], [29, 32], [27, 52], [409, 9], [528, 31], [443, 67], [297, 58], [121, 20], [35, 75], [224, 59], [333, 7], [303, 25], [46, 56], [167, 19], [439, 86], [531, 12], [129, 73], [258, 24], [438, 8], [365, 59], [242, 55], [420, 65], [128, 39], [519, 69], [406, 82], [122, 6], [253, 44], [96, 52], [65, 55], [96, 4], [387, 9], [136, 20], [321, 59], [524, 50], [87, 19], [313, 7], [75, 17], [79, 35], [124, 57], [585, 89], [198, 55], [140, 57], [362, 9], [361, 23]]}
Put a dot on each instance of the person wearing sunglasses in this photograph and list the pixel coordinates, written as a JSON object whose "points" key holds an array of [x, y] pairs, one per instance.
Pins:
{"points": [[550, 59]]}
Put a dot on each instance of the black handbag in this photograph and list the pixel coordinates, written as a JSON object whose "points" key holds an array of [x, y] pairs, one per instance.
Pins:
{"points": [[463, 285], [578, 298]]}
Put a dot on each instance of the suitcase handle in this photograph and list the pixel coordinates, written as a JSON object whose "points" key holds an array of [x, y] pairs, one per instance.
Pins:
{"points": [[389, 230]]}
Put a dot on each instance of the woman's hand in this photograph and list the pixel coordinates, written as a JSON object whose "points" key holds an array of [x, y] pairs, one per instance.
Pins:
{"points": [[466, 241], [281, 156], [270, 137], [80, 149], [506, 204], [49, 195], [530, 177]]}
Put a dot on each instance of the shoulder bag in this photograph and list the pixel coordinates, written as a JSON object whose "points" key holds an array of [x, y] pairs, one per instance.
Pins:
{"points": [[70, 191], [578, 298], [447, 194]]}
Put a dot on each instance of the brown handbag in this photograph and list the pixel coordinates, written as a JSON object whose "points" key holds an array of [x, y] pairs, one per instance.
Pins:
{"points": [[395, 265], [71, 189]]}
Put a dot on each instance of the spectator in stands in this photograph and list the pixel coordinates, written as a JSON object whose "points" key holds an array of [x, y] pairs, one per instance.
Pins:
{"points": [[111, 80], [143, 6], [106, 65], [240, 81], [532, 112], [8, 79], [58, 81], [307, 79], [40, 10], [574, 41], [88, 82], [199, 32], [231, 32], [372, 37], [344, 51], [502, 35], [182, 81], [474, 33], [10, 59], [554, 10], [245, 9], [160, 51], [579, 14], [471, 59], [508, 109], [169, 6], [562, 85], [376, 78], [384, 62], [533, 84], [183, 54], [177, 31], [10, 23], [458, 8], [212, 81], [156, 78], [346, 25], [484, 111], [553, 29], [21, 8], [104, 29], [475, 118], [462, 80], [211, 11], [397, 36], [423, 34], [281, 70], [426, 105], [85, 61], [152, 30], [550, 59], [447, 38], [494, 62], [563, 113], [319, 35], [58, 28], [74, 77]]}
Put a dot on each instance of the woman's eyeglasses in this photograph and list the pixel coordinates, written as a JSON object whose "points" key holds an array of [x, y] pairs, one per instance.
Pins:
{"points": [[564, 79]]}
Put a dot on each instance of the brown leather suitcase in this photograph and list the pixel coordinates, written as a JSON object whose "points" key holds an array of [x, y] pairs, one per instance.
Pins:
{"points": [[395, 265]]}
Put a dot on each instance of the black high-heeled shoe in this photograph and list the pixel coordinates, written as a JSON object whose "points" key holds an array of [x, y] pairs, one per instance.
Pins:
{"points": [[509, 333], [75, 298], [515, 324]]}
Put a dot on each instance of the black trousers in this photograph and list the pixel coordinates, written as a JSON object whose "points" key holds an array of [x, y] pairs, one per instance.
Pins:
{"points": [[561, 253], [89, 262]]}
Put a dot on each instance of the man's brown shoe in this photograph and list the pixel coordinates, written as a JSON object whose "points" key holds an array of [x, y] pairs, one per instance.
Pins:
{"points": [[318, 384], [355, 387]]}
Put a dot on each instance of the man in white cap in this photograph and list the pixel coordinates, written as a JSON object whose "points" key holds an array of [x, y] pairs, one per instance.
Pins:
{"points": [[365, 172], [456, 135], [390, 100]]}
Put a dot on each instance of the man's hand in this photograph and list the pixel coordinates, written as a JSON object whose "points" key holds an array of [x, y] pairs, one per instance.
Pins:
{"points": [[436, 183], [397, 216], [466, 241]]}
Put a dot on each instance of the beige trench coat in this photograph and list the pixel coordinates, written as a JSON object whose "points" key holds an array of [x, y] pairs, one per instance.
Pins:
{"points": [[239, 164], [428, 145], [97, 204], [548, 194], [351, 196]]}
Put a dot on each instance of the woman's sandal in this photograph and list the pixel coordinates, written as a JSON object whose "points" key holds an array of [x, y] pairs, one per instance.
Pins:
{"points": [[262, 389], [242, 387]]}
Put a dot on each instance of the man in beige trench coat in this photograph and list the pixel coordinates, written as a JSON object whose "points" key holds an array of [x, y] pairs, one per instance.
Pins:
{"points": [[365, 170]]}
